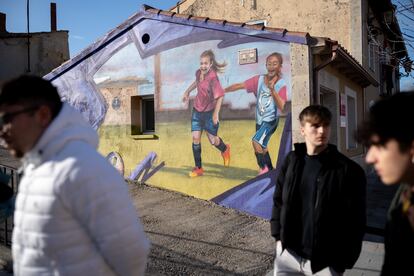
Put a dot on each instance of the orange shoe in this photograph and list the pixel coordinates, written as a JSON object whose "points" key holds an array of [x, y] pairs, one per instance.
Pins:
{"points": [[226, 156], [196, 172], [263, 171]]}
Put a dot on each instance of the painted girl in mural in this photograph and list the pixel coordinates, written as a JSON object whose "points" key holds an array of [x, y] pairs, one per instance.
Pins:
{"points": [[207, 104], [271, 94]]}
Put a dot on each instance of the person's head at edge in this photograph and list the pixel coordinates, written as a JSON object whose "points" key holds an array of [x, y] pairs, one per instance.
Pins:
{"points": [[388, 134], [315, 127], [28, 104]]}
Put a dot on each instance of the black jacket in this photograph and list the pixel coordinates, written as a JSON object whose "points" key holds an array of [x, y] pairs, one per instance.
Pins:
{"points": [[339, 215], [399, 240]]}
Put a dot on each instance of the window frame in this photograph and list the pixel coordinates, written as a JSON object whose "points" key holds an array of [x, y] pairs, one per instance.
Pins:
{"points": [[139, 115], [352, 94]]}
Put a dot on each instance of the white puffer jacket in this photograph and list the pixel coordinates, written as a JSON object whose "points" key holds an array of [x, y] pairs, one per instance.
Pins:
{"points": [[73, 213]]}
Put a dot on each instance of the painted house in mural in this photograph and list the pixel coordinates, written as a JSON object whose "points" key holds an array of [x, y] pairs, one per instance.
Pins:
{"points": [[131, 86]]}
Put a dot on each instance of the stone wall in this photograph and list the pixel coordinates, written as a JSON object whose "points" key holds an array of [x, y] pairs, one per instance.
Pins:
{"points": [[48, 50]]}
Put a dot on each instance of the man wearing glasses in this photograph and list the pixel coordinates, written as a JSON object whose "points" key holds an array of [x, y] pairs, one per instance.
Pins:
{"points": [[73, 215]]}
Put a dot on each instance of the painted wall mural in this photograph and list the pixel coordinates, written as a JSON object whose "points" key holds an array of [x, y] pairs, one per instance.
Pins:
{"points": [[219, 99]]}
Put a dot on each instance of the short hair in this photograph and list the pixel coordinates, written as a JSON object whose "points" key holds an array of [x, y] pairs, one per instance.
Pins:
{"points": [[316, 114], [390, 118], [31, 90]]}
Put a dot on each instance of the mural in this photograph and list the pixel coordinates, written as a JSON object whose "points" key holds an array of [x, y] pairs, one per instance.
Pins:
{"points": [[202, 111]]}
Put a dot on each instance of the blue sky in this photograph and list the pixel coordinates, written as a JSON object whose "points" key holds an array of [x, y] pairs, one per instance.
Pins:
{"points": [[88, 20], [405, 16]]}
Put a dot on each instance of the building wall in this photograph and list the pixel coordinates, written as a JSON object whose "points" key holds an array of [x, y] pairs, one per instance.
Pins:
{"points": [[333, 81], [301, 66], [339, 20], [48, 50]]}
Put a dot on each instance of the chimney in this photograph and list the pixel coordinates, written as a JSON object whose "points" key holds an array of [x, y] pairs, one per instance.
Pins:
{"points": [[2, 22], [53, 27]]}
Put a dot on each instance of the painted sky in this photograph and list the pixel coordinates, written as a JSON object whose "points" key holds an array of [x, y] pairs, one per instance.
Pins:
{"points": [[179, 64]]}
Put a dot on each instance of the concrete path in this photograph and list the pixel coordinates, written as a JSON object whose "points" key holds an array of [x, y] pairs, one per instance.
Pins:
{"points": [[369, 262]]}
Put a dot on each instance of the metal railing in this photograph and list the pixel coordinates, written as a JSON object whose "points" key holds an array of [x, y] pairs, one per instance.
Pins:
{"points": [[6, 226]]}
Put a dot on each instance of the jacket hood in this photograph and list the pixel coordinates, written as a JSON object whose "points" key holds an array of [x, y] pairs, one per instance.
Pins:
{"points": [[68, 125]]}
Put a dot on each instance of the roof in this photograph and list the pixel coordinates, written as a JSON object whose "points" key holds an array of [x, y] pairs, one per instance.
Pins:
{"points": [[339, 58]]}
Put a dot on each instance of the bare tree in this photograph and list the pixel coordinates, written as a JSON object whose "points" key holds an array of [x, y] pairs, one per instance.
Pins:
{"points": [[404, 11]]}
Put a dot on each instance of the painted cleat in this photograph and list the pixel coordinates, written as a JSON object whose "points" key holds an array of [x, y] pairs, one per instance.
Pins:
{"points": [[196, 172], [226, 156], [263, 170]]}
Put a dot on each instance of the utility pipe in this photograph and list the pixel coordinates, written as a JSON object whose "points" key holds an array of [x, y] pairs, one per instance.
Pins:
{"points": [[316, 70]]}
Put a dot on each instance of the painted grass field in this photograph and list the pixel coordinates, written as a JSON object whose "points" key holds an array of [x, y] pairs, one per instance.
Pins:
{"points": [[174, 148]]}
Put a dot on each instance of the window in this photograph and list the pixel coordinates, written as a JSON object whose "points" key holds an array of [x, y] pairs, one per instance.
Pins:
{"points": [[253, 4], [351, 118], [262, 22], [373, 56], [142, 115]]}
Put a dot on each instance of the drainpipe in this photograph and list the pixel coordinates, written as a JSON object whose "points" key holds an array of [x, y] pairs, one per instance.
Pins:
{"points": [[316, 70], [178, 6]]}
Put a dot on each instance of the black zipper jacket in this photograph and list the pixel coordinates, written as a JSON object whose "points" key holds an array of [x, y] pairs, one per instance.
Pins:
{"points": [[399, 240], [339, 212]]}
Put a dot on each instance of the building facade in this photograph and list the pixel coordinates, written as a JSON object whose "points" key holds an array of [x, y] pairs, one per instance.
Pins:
{"points": [[34, 53]]}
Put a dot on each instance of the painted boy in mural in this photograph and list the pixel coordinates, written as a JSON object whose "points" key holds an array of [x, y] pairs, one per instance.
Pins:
{"points": [[271, 94], [207, 104]]}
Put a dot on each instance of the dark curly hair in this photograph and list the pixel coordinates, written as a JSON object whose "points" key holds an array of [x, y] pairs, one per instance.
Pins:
{"points": [[390, 118]]}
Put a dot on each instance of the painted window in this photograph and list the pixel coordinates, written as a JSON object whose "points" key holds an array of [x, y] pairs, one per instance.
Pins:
{"points": [[142, 115]]}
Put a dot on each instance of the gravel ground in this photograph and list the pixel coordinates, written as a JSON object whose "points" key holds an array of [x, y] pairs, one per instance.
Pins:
{"points": [[195, 237]]}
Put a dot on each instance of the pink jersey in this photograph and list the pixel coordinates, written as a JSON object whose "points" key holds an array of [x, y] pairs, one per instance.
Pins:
{"points": [[208, 91]]}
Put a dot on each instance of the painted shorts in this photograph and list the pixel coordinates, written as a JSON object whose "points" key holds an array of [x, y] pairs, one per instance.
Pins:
{"points": [[264, 131], [203, 121]]}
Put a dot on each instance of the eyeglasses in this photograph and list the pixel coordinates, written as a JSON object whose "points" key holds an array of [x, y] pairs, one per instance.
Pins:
{"points": [[7, 118]]}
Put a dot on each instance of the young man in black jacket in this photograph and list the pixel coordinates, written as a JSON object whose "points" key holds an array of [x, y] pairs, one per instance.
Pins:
{"points": [[318, 217]]}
